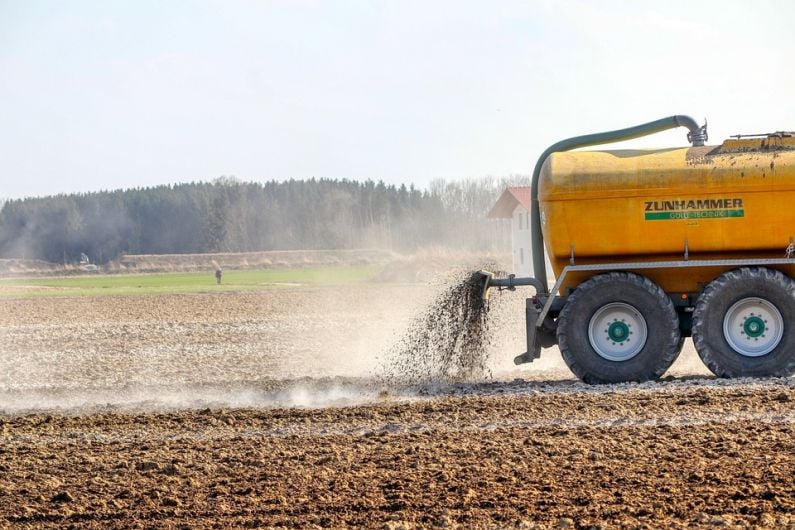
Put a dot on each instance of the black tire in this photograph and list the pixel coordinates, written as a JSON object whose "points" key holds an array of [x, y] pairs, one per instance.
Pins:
{"points": [[726, 310], [626, 291]]}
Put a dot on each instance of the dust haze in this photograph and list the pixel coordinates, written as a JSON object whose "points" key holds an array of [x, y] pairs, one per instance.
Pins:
{"points": [[294, 347], [298, 346]]}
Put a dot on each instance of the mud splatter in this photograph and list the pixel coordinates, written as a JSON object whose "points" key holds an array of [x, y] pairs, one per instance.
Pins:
{"points": [[448, 342]]}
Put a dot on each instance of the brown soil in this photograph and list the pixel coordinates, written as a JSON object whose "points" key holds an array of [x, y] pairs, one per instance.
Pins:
{"points": [[168, 412]]}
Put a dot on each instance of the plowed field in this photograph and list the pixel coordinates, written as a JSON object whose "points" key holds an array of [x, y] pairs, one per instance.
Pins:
{"points": [[260, 409]]}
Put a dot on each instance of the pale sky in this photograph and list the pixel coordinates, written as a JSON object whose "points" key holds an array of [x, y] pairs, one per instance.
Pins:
{"points": [[116, 94]]}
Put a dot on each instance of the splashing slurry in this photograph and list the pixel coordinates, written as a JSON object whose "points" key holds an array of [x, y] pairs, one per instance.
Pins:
{"points": [[448, 342]]}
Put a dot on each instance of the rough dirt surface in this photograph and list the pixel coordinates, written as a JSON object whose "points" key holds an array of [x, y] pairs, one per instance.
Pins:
{"points": [[212, 411], [667, 456]]}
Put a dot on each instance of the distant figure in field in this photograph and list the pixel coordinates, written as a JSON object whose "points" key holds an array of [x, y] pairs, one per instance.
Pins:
{"points": [[218, 273]]}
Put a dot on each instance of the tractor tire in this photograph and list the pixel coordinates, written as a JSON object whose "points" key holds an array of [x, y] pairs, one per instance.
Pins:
{"points": [[618, 327], [744, 324]]}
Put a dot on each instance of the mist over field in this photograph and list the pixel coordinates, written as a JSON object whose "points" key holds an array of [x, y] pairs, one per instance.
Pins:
{"points": [[231, 216]]}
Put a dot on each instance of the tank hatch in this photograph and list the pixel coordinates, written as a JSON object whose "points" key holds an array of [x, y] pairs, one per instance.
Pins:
{"points": [[748, 143]]}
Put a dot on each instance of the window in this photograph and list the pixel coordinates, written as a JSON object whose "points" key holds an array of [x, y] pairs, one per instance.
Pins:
{"points": [[524, 220]]}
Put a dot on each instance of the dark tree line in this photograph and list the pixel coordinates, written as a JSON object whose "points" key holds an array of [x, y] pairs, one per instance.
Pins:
{"points": [[231, 216]]}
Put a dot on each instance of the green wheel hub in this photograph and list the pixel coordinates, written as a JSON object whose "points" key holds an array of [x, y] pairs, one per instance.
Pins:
{"points": [[753, 327], [618, 331]]}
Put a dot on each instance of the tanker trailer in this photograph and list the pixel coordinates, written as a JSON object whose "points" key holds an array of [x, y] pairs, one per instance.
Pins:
{"points": [[651, 246]]}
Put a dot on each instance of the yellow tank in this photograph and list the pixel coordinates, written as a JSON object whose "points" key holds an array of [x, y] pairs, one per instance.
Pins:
{"points": [[736, 200]]}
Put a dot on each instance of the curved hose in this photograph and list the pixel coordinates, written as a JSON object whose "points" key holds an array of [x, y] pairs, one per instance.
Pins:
{"points": [[696, 136]]}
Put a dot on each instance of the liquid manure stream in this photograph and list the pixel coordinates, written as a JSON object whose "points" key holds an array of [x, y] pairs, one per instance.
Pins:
{"points": [[448, 342]]}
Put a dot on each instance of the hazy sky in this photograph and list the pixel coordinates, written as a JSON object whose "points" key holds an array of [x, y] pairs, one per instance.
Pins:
{"points": [[116, 94]]}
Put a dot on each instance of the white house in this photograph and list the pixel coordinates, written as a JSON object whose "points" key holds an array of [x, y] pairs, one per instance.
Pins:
{"points": [[514, 204]]}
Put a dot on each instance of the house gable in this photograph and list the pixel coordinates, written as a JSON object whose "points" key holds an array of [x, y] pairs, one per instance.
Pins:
{"points": [[509, 200]]}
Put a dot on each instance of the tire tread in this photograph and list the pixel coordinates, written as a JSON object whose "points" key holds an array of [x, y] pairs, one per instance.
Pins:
{"points": [[712, 294], [662, 361]]}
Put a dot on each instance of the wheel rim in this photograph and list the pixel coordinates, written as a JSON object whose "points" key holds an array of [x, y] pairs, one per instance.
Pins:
{"points": [[753, 327], [617, 331]]}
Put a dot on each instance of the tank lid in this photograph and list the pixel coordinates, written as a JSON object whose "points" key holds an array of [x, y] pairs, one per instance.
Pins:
{"points": [[744, 143]]}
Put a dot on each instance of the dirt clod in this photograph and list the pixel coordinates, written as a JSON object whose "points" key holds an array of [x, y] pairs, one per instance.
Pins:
{"points": [[564, 523], [63, 496], [147, 466], [170, 469]]}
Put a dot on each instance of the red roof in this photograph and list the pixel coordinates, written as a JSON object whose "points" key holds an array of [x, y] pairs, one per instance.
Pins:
{"points": [[506, 204]]}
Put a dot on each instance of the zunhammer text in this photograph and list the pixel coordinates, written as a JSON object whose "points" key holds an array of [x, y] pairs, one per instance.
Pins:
{"points": [[700, 204]]}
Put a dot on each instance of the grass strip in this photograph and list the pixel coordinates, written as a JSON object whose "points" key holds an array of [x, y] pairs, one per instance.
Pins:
{"points": [[184, 282]]}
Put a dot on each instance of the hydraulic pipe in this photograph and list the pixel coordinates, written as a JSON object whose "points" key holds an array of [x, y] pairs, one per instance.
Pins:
{"points": [[696, 136], [511, 282]]}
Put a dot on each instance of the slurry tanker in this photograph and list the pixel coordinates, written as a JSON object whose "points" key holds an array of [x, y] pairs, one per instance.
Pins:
{"points": [[648, 247]]}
